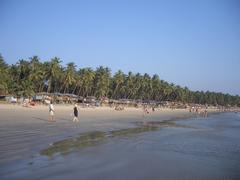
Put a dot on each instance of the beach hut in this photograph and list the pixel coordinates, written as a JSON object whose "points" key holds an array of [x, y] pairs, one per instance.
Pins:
{"points": [[124, 101], [11, 99], [69, 98], [43, 97], [80, 99], [90, 99]]}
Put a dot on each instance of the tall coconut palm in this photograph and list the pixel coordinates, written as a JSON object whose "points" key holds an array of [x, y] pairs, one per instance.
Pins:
{"points": [[102, 81], [22, 84], [85, 81], [144, 86], [118, 84], [147, 86], [53, 71], [167, 90], [37, 73], [27, 77], [69, 76], [156, 88], [138, 84], [130, 90], [5, 76]]}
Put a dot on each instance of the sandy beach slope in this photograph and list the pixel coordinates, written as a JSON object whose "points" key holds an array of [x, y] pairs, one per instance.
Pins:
{"points": [[109, 144], [25, 131]]}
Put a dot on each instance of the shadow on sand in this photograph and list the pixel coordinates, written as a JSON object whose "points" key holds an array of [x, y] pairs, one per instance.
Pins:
{"points": [[46, 120]]}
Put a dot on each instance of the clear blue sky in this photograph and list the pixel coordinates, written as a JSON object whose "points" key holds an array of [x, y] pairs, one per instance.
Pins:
{"points": [[190, 43]]}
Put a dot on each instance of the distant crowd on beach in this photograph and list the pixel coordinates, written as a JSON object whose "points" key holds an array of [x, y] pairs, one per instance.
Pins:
{"points": [[200, 111], [119, 105]]}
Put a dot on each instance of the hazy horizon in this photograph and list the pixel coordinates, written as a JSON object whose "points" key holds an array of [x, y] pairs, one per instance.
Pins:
{"points": [[188, 43]]}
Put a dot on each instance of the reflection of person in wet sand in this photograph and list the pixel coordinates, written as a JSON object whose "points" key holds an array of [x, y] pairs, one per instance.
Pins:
{"points": [[75, 113], [51, 111]]}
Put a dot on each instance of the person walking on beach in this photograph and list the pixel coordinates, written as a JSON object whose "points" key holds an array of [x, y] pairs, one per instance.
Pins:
{"points": [[51, 111], [153, 108], [75, 113], [205, 113], [145, 110]]}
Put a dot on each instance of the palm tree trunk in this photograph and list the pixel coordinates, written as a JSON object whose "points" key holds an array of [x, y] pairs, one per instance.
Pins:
{"points": [[74, 89], [49, 85]]}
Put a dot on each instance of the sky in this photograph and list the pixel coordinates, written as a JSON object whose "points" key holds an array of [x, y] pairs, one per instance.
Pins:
{"points": [[188, 43]]}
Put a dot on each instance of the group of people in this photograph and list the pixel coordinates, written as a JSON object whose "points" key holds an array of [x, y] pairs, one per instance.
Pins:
{"points": [[146, 110], [52, 112], [119, 108], [201, 112]]}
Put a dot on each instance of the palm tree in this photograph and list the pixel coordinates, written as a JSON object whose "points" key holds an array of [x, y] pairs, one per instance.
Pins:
{"points": [[37, 73], [53, 71], [28, 77], [147, 87], [5, 76], [69, 76], [102, 81], [138, 81], [156, 88], [166, 90], [118, 84], [85, 81], [130, 87], [21, 82]]}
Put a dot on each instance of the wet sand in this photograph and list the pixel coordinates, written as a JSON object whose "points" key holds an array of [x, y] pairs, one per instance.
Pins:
{"points": [[25, 131], [109, 144]]}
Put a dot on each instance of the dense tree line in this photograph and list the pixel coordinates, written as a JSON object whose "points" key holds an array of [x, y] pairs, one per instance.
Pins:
{"points": [[27, 77]]}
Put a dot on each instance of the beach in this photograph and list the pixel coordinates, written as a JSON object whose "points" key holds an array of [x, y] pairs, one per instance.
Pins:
{"points": [[23, 130], [110, 144]]}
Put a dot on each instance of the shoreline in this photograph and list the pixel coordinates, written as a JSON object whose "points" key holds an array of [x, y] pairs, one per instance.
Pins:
{"points": [[11, 112], [27, 131], [28, 140]]}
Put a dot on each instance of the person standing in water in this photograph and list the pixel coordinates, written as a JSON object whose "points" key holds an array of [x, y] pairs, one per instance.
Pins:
{"points": [[51, 111], [75, 113]]}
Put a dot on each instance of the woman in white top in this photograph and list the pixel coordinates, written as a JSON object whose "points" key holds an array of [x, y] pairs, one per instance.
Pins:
{"points": [[51, 112]]}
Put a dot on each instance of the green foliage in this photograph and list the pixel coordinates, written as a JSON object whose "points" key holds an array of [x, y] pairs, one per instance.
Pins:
{"points": [[102, 82], [5, 78], [28, 77]]}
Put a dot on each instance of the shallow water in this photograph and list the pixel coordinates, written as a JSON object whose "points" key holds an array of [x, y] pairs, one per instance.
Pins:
{"points": [[198, 148]]}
